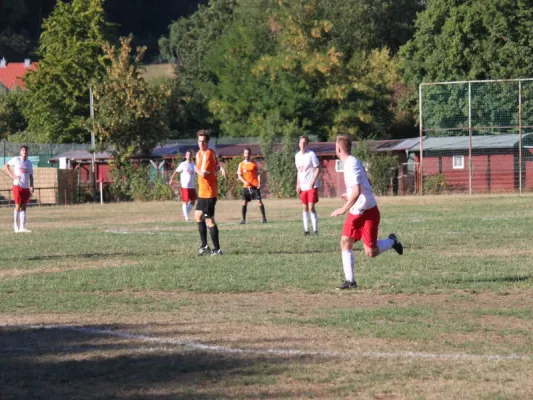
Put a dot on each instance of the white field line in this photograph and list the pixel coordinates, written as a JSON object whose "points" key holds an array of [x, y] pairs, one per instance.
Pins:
{"points": [[282, 352]]}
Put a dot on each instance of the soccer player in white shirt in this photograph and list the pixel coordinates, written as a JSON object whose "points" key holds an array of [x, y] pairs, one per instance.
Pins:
{"points": [[308, 168], [22, 176], [362, 221], [187, 178]]}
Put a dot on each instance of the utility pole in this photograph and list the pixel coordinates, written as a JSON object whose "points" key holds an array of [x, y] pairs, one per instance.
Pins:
{"points": [[93, 146]]}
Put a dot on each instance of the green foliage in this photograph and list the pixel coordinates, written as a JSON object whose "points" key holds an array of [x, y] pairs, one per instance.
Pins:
{"points": [[435, 184], [70, 54], [15, 41], [279, 157], [12, 120], [231, 186], [130, 114], [160, 190], [188, 45], [290, 58], [381, 167], [474, 39]]}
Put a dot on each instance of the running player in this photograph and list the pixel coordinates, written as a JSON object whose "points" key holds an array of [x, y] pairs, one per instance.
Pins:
{"points": [[362, 221], [248, 174], [307, 183], [188, 191], [206, 168], [22, 176]]}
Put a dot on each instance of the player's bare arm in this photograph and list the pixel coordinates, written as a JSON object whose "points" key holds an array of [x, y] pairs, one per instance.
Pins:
{"points": [[315, 176], [221, 169], [172, 178], [9, 172], [350, 201], [201, 173]]}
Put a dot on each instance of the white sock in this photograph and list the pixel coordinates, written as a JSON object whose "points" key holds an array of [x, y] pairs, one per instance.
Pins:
{"points": [[185, 211], [314, 221], [306, 220], [23, 219], [16, 220], [189, 208], [348, 264], [384, 245]]}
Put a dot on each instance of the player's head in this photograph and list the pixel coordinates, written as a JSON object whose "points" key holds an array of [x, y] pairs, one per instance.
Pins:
{"points": [[304, 143], [23, 152], [188, 155], [343, 145], [203, 139], [247, 153]]}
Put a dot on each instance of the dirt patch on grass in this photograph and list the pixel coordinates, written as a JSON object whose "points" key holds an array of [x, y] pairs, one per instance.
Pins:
{"points": [[268, 320], [65, 266]]}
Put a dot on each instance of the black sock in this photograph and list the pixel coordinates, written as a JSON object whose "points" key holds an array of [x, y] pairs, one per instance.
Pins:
{"points": [[202, 228], [244, 208], [262, 208], [213, 231]]}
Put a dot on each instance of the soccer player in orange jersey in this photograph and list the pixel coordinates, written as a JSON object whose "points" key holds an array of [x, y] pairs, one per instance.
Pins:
{"points": [[206, 168], [248, 174]]}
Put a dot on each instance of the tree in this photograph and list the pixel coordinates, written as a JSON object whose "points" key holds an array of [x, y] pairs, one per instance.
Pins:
{"points": [[473, 39], [15, 40], [283, 60], [188, 46], [12, 120], [130, 114], [70, 54]]}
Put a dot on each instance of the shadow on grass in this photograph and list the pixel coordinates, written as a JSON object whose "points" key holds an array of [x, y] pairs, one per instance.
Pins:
{"points": [[84, 255], [503, 279], [62, 364]]}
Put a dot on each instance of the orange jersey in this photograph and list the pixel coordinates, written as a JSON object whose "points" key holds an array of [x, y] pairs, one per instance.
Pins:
{"points": [[248, 171], [206, 161]]}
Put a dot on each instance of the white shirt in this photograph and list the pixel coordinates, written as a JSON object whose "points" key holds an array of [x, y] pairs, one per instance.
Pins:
{"points": [[355, 174], [22, 171], [186, 169], [306, 164]]}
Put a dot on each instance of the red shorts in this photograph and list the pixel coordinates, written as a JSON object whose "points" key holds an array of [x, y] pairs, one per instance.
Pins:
{"points": [[363, 226], [188, 195], [21, 195], [309, 196]]}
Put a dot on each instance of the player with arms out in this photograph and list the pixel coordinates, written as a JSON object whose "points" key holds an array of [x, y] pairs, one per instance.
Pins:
{"points": [[206, 168], [22, 176], [248, 174], [187, 181], [308, 168], [362, 221]]}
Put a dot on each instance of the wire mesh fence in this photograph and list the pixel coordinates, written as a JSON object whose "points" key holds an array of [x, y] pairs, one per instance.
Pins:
{"points": [[476, 136]]}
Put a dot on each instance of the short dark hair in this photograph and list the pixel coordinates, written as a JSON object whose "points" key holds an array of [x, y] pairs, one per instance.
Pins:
{"points": [[249, 150], [23, 147], [345, 143], [203, 132], [304, 137], [189, 151]]}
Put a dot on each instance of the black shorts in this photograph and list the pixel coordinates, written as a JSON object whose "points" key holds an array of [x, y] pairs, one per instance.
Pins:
{"points": [[207, 206], [251, 193]]}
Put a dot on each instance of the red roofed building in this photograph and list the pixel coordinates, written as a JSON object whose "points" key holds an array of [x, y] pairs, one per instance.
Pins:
{"points": [[11, 73]]}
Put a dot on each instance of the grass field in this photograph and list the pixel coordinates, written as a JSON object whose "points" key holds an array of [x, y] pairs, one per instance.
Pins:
{"points": [[112, 302]]}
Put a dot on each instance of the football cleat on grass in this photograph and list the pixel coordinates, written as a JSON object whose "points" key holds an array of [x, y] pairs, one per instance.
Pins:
{"points": [[347, 285], [204, 251], [306, 233], [216, 253], [397, 244]]}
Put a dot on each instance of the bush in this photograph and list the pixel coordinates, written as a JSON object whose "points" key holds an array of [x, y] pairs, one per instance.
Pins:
{"points": [[230, 187], [381, 168], [435, 184], [161, 191]]}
